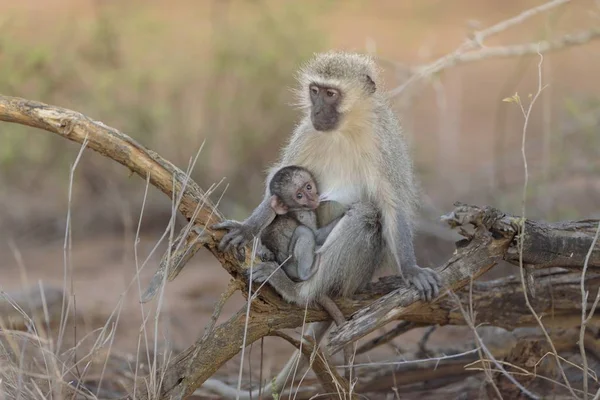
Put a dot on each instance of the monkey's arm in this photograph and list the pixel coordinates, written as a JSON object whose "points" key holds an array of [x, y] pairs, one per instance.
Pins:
{"points": [[426, 280], [322, 233], [240, 233]]}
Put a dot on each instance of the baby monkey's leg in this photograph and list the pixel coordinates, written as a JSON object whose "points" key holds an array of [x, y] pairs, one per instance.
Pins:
{"points": [[302, 249]]}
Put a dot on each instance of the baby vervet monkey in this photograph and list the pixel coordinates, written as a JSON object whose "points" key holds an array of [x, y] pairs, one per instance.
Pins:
{"points": [[292, 238]]}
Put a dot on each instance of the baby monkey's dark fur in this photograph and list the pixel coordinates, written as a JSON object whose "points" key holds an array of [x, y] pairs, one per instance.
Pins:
{"points": [[292, 238]]}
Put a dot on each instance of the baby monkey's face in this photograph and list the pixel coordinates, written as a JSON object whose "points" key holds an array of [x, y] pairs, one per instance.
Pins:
{"points": [[305, 193]]}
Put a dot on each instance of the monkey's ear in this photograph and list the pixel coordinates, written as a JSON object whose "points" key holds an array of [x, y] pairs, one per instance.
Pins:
{"points": [[371, 87], [278, 206]]}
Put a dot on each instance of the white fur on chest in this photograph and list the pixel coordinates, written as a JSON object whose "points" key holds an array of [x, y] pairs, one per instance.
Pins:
{"points": [[342, 164]]}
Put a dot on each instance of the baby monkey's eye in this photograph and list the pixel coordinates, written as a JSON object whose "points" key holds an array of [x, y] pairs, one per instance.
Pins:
{"points": [[308, 186], [298, 195]]}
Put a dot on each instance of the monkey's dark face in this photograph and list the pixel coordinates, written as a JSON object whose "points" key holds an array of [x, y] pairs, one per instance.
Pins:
{"points": [[306, 195], [324, 112]]}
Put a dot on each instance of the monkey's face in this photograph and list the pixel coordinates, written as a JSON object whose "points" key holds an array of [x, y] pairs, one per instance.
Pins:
{"points": [[324, 111], [306, 195]]}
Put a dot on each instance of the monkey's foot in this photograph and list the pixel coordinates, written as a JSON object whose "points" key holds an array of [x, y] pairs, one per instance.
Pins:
{"points": [[426, 280], [265, 254], [262, 272]]}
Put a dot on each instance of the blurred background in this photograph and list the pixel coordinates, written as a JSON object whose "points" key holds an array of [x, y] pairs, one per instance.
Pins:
{"points": [[174, 75]]}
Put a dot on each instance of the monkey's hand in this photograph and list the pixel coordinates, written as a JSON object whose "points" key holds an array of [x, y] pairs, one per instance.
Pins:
{"points": [[426, 280], [241, 233], [238, 236]]}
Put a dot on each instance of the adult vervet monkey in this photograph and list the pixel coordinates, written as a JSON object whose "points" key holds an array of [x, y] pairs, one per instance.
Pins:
{"points": [[352, 142]]}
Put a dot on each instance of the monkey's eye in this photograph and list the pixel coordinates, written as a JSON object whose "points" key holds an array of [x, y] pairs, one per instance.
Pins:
{"points": [[308, 186], [331, 93], [299, 195], [314, 90]]}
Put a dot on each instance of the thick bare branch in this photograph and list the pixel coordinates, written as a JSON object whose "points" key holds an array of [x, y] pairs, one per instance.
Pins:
{"points": [[113, 144], [126, 151]]}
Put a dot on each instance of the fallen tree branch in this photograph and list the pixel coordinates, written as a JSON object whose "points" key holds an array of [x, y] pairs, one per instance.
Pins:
{"points": [[385, 300]]}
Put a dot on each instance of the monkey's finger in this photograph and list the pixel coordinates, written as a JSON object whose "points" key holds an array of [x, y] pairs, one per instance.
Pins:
{"points": [[237, 245], [229, 224], [419, 287], [428, 287], [241, 253], [436, 291], [439, 279], [427, 291], [237, 241], [227, 238], [434, 283]]}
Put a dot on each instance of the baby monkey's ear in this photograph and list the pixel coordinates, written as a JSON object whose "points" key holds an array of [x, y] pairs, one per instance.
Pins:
{"points": [[278, 206]]}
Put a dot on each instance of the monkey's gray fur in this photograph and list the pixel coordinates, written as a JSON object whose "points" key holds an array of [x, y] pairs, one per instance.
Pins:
{"points": [[292, 238], [352, 142]]}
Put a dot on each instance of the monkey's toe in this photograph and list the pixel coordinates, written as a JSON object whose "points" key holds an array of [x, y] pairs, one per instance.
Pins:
{"points": [[427, 282], [416, 282], [240, 253], [261, 272], [260, 276], [225, 241]]}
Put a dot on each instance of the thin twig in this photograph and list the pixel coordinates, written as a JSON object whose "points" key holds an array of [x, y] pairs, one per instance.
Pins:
{"points": [[231, 289], [136, 243], [521, 241], [418, 361], [387, 337], [487, 352], [467, 52], [239, 386], [67, 247]]}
